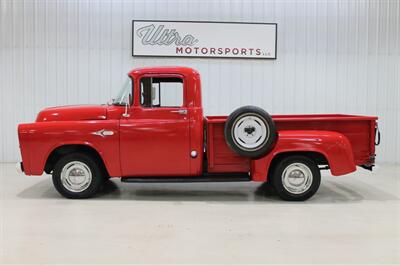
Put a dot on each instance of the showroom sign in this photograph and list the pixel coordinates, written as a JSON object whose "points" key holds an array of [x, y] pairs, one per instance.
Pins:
{"points": [[204, 39]]}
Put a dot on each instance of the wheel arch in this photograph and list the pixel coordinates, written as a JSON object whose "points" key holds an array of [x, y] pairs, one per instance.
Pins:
{"points": [[65, 149], [303, 165]]}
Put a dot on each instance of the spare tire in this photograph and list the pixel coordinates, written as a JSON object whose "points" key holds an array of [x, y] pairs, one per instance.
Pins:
{"points": [[250, 132]]}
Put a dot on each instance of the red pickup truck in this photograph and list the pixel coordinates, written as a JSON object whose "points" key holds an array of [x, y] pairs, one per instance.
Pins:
{"points": [[155, 131]]}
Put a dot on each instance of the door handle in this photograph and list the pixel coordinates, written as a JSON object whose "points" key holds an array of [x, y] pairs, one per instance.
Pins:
{"points": [[181, 112]]}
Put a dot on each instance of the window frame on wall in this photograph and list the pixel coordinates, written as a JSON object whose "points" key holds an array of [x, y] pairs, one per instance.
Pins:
{"points": [[161, 76]]}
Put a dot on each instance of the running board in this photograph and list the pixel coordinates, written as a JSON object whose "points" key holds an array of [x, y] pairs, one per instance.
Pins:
{"points": [[188, 179]]}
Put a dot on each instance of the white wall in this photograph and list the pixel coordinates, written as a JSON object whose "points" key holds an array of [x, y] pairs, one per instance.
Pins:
{"points": [[333, 57]]}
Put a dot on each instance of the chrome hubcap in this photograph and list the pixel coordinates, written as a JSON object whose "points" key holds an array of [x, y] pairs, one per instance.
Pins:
{"points": [[76, 176], [297, 178], [250, 132]]}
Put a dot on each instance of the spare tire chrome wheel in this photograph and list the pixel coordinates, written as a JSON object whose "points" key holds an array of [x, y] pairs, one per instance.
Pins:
{"points": [[296, 178], [77, 176], [250, 132]]}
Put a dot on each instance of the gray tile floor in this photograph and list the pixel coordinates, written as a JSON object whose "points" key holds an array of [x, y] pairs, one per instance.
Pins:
{"points": [[354, 219]]}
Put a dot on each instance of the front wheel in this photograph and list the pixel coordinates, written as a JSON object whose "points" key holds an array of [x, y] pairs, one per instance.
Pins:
{"points": [[296, 178], [77, 176]]}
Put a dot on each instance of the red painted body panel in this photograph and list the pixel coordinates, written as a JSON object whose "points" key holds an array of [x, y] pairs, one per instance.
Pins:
{"points": [[344, 140], [148, 139], [359, 130], [155, 141], [73, 113], [38, 140], [158, 142], [221, 159], [335, 147]]}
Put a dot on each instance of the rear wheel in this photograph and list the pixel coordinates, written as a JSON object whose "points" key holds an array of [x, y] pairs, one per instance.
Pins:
{"points": [[296, 178], [77, 176]]}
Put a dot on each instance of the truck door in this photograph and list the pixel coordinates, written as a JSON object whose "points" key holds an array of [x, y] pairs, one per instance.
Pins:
{"points": [[154, 139]]}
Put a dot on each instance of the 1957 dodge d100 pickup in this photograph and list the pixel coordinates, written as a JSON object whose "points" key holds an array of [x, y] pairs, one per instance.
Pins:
{"points": [[155, 131]]}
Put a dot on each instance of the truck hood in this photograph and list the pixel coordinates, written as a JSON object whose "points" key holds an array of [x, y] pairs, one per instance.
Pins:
{"points": [[73, 113]]}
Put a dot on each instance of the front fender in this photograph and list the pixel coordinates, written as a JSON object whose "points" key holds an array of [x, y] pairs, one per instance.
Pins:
{"points": [[38, 140], [335, 147]]}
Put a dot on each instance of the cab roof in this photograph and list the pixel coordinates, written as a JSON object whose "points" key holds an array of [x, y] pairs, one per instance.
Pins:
{"points": [[164, 70]]}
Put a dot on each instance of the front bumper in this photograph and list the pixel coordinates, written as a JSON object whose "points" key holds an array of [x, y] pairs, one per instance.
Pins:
{"points": [[20, 167]]}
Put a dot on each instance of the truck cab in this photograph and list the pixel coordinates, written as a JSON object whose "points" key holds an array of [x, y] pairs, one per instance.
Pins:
{"points": [[164, 124], [155, 131]]}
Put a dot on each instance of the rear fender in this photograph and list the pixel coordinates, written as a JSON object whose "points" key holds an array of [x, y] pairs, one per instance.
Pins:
{"points": [[335, 147]]}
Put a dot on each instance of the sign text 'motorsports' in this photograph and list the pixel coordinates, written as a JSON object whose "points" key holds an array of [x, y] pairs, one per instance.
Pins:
{"points": [[204, 39]]}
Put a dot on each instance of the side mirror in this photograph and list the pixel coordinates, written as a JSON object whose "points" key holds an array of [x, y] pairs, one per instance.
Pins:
{"points": [[127, 106], [110, 102]]}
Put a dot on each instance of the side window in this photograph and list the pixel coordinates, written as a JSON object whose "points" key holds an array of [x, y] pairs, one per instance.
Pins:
{"points": [[161, 92]]}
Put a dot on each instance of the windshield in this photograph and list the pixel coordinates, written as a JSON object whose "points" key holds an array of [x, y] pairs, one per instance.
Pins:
{"points": [[125, 93]]}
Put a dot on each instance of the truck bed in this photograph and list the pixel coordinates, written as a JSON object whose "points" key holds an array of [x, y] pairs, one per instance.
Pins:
{"points": [[360, 130]]}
